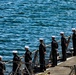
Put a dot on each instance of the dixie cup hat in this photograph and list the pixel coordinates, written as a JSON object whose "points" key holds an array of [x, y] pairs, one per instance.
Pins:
{"points": [[61, 32], [27, 47], [14, 51], [40, 38], [53, 36], [73, 29]]}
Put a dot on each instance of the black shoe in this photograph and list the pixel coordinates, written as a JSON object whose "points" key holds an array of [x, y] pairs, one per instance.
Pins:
{"points": [[42, 71], [53, 66]]}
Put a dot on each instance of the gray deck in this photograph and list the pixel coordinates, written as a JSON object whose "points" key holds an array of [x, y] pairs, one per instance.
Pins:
{"points": [[63, 68]]}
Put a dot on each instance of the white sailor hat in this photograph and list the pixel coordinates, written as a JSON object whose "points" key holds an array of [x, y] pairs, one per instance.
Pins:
{"points": [[14, 51], [61, 32], [71, 48], [53, 36], [0, 56], [27, 47], [40, 38], [73, 29]]}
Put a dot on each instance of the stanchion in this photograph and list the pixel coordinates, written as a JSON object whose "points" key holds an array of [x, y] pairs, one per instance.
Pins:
{"points": [[75, 69]]}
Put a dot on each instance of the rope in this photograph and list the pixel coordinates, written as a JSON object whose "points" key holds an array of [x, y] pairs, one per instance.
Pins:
{"points": [[58, 41], [19, 67], [49, 45], [32, 52], [73, 70]]}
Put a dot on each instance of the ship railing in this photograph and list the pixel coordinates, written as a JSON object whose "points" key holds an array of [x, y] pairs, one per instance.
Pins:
{"points": [[35, 54], [21, 69], [48, 48], [73, 70]]}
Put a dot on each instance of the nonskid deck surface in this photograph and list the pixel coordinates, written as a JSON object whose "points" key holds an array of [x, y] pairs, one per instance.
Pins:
{"points": [[63, 68]]}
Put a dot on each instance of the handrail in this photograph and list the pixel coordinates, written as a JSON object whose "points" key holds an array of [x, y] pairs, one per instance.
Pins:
{"points": [[33, 51], [73, 70], [35, 55], [57, 41]]}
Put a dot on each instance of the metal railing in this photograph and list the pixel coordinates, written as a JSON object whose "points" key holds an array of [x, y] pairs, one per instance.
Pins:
{"points": [[34, 61], [73, 70]]}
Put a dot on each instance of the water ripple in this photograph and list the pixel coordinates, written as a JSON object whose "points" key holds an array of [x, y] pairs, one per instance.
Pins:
{"points": [[23, 22]]}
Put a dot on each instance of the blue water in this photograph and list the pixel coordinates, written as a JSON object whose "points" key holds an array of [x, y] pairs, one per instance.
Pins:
{"points": [[23, 22]]}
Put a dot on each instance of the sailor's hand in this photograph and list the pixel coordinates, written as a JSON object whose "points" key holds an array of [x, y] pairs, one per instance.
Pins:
{"points": [[44, 52], [30, 61]]}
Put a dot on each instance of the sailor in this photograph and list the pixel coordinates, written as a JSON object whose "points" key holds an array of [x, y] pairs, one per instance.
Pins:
{"points": [[2, 66], [16, 63], [63, 45], [74, 40], [42, 52], [54, 48], [28, 61]]}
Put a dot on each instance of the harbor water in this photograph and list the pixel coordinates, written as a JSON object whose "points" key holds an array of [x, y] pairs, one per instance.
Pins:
{"points": [[23, 22]]}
